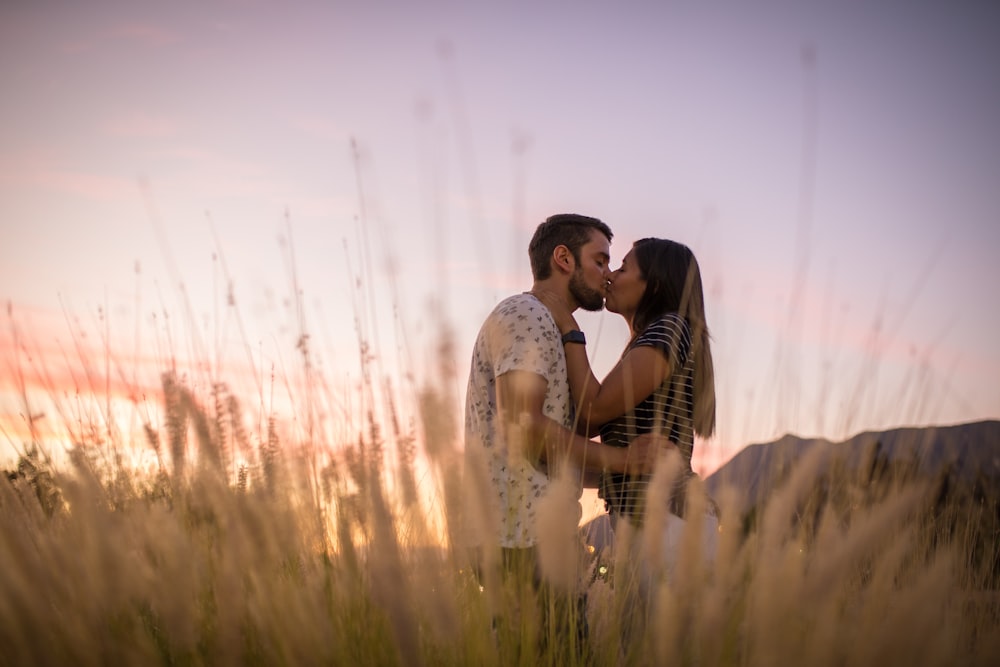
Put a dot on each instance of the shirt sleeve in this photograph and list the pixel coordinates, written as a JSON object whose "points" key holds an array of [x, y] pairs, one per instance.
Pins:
{"points": [[519, 339], [670, 335]]}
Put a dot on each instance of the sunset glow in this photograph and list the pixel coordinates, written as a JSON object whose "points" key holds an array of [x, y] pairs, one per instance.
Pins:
{"points": [[304, 202]]}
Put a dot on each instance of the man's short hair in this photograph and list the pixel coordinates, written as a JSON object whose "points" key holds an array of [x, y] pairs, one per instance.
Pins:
{"points": [[568, 229]]}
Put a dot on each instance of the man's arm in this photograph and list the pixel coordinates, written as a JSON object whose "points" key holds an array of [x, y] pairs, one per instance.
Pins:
{"points": [[526, 429]]}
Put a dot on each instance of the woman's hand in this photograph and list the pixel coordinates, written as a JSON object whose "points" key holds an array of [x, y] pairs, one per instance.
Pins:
{"points": [[645, 451], [561, 312]]}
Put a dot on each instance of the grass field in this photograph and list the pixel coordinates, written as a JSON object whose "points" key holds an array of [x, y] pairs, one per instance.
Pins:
{"points": [[237, 547]]}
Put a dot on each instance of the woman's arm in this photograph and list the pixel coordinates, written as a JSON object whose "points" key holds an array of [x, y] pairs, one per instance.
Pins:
{"points": [[638, 374], [526, 429], [635, 377]]}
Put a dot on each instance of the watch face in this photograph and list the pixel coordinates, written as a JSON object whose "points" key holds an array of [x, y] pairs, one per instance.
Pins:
{"points": [[574, 337]]}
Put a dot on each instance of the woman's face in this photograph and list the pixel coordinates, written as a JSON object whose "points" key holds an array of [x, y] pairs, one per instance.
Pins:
{"points": [[626, 288]]}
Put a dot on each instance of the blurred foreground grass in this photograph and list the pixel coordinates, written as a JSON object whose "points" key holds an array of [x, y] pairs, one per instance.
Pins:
{"points": [[286, 557], [188, 530]]}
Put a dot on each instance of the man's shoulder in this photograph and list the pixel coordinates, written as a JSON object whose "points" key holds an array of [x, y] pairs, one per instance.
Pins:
{"points": [[519, 300], [521, 306], [521, 321]]}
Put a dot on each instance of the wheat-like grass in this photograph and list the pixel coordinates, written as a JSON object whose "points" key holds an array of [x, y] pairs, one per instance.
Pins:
{"points": [[241, 545]]}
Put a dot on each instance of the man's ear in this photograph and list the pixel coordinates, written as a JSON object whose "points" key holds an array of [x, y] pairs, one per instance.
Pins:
{"points": [[563, 259]]}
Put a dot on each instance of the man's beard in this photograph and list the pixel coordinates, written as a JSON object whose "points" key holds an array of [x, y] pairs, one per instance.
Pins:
{"points": [[587, 297]]}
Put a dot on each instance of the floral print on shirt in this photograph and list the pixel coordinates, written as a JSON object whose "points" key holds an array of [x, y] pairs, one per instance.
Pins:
{"points": [[519, 335]]}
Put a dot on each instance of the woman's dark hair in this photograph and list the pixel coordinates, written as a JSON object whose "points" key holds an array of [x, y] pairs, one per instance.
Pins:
{"points": [[569, 229], [673, 285]]}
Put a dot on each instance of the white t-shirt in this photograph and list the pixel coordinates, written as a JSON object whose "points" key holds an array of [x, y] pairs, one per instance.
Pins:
{"points": [[519, 335]]}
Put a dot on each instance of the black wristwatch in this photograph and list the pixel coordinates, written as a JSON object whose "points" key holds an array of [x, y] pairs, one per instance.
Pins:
{"points": [[574, 336]]}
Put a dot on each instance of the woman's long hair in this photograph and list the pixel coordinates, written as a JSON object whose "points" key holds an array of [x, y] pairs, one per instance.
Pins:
{"points": [[673, 284]]}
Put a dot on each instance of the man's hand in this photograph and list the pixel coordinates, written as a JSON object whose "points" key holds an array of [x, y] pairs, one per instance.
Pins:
{"points": [[645, 450]]}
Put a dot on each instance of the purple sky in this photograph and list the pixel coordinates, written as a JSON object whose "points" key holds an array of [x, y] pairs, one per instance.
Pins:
{"points": [[833, 165]]}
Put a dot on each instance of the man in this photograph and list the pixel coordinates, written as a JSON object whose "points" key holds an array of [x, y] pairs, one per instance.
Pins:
{"points": [[519, 417]]}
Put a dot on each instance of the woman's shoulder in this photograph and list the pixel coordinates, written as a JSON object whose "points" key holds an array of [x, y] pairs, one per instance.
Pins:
{"points": [[666, 332], [672, 319], [670, 324]]}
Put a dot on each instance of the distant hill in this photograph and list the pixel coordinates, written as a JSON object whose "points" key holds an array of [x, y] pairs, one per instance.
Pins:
{"points": [[971, 450]]}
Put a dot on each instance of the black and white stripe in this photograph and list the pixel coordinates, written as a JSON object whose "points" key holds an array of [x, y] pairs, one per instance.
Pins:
{"points": [[668, 410]]}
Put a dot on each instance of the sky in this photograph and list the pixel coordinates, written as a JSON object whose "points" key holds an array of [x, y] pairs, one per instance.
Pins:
{"points": [[222, 185]]}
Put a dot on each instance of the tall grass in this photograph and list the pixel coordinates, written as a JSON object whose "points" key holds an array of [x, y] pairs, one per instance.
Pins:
{"points": [[248, 549], [215, 532]]}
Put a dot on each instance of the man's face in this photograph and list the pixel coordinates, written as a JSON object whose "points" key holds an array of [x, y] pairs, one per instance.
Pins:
{"points": [[589, 281]]}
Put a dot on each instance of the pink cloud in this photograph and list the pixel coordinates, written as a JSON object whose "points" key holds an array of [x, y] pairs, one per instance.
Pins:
{"points": [[823, 316], [58, 364], [92, 186], [75, 46], [470, 273], [319, 127], [73, 382], [42, 363], [147, 34], [39, 170], [140, 125], [222, 174], [140, 33]]}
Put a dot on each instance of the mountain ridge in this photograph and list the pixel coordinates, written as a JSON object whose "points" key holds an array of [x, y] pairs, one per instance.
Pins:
{"points": [[969, 451]]}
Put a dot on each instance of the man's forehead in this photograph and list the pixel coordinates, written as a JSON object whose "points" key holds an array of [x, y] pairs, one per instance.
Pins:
{"points": [[599, 242]]}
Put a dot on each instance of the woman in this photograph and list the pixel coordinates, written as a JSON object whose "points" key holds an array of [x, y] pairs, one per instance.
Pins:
{"points": [[664, 382]]}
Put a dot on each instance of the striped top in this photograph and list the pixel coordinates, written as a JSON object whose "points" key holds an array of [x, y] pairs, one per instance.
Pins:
{"points": [[668, 410]]}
